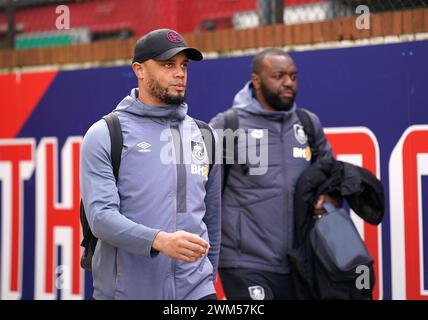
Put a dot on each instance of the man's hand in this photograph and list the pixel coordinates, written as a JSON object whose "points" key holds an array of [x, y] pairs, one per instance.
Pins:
{"points": [[181, 245], [319, 209]]}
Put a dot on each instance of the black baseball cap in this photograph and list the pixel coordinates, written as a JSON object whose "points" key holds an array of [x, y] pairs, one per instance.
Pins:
{"points": [[162, 44]]}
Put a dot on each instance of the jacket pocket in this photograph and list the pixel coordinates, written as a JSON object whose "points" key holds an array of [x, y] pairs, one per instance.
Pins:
{"points": [[231, 229], [261, 231], [117, 271]]}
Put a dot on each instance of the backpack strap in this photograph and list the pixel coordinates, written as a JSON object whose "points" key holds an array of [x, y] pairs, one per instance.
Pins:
{"points": [[308, 127], [89, 241], [231, 121], [116, 141], [211, 151]]}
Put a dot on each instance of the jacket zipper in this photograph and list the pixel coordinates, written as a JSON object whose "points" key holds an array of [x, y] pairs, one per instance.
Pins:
{"points": [[284, 174], [239, 232], [174, 217]]}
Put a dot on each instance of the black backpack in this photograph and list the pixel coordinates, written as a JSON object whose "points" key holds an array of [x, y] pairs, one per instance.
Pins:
{"points": [[89, 241], [231, 121]]}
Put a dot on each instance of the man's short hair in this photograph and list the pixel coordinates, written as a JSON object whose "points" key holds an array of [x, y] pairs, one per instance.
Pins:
{"points": [[258, 58]]}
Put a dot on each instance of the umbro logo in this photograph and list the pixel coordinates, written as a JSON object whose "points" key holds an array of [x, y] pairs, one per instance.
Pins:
{"points": [[144, 147]]}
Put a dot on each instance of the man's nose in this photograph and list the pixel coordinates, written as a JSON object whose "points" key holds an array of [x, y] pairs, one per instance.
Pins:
{"points": [[288, 82], [180, 73]]}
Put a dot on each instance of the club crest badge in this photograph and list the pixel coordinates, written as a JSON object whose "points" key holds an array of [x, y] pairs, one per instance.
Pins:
{"points": [[257, 292], [198, 151], [174, 37], [299, 133]]}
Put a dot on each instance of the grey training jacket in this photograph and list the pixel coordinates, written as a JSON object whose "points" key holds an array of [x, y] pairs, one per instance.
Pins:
{"points": [[153, 193], [257, 210]]}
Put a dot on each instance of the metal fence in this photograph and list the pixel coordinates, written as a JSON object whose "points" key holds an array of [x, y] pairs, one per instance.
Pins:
{"points": [[340, 8], [300, 11]]}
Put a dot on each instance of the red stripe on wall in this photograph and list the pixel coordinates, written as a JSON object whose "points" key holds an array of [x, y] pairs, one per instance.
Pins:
{"points": [[19, 95]]}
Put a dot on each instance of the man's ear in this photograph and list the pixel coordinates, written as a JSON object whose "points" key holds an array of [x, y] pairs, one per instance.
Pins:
{"points": [[255, 80], [138, 70]]}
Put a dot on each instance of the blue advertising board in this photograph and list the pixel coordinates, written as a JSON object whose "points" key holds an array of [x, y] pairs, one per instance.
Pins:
{"points": [[372, 101]]}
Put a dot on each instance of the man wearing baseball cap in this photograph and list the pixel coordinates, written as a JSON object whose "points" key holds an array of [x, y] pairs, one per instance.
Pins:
{"points": [[157, 223]]}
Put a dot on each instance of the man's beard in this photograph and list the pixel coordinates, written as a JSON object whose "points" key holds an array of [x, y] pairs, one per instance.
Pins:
{"points": [[274, 100], [163, 95]]}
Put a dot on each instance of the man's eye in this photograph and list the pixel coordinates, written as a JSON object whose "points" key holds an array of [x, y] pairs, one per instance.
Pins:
{"points": [[168, 65], [184, 66]]}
